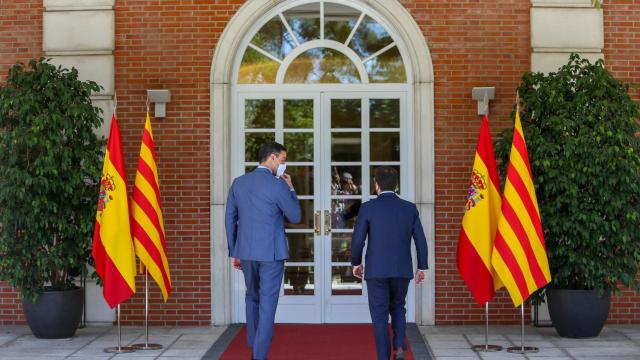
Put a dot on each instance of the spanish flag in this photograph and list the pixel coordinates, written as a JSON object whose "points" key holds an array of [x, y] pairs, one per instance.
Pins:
{"points": [[520, 255], [112, 245], [148, 225], [480, 222]]}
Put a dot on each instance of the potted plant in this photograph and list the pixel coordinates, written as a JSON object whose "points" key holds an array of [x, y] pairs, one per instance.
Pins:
{"points": [[50, 162], [581, 128]]}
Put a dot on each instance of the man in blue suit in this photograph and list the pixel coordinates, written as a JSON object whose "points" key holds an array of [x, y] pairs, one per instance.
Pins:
{"points": [[257, 205], [388, 223]]}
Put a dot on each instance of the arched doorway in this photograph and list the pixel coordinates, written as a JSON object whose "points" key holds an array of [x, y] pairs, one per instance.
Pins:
{"points": [[335, 82]]}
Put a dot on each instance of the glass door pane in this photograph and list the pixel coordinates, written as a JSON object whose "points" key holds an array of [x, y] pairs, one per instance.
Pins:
{"points": [[292, 121], [361, 132]]}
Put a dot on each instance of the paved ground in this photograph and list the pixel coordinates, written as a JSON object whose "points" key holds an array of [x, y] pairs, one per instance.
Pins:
{"points": [[180, 343], [445, 343], [454, 342]]}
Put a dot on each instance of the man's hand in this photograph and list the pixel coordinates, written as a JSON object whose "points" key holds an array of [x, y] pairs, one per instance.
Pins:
{"points": [[236, 264], [287, 178], [421, 276], [358, 271]]}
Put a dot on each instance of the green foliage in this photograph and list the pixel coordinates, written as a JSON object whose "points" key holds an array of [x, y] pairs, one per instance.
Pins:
{"points": [[581, 129], [50, 161]]}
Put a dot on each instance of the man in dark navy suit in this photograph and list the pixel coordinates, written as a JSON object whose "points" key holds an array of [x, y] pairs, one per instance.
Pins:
{"points": [[388, 223], [257, 206]]}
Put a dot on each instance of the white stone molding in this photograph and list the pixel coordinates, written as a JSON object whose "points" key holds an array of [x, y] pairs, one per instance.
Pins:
{"points": [[561, 27]]}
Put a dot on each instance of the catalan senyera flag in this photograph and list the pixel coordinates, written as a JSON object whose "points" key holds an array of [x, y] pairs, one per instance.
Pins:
{"points": [[520, 255], [112, 244], [146, 211], [480, 222]]}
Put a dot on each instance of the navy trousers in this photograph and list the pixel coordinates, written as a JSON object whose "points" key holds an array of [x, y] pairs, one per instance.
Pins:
{"points": [[263, 280], [387, 296]]}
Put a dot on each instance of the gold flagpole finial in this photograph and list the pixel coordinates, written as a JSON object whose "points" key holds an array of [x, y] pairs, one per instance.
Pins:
{"points": [[517, 101]]}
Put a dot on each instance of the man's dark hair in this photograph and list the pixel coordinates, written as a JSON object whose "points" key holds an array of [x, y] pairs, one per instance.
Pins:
{"points": [[269, 148], [386, 177]]}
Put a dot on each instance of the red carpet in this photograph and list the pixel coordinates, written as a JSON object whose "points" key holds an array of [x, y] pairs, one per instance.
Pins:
{"points": [[310, 342]]}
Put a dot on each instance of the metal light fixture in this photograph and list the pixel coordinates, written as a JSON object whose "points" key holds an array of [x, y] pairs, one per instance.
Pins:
{"points": [[160, 98]]}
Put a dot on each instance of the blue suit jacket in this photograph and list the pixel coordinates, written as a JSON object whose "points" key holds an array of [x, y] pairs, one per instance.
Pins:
{"points": [[389, 223], [254, 220]]}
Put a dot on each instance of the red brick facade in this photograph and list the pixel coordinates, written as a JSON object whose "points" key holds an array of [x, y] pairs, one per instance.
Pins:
{"points": [[170, 44]]}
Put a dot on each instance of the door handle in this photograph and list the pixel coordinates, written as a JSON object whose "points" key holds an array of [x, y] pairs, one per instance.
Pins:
{"points": [[327, 222], [317, 221]]}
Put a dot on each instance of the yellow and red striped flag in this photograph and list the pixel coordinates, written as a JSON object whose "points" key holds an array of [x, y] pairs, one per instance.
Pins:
{"points": [[112, 245], [520, 254], [480, 222], [146, 210]]}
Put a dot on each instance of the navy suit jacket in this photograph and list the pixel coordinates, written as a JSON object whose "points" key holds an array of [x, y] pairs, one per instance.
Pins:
{"points": [[254, 219], [389, 223]]}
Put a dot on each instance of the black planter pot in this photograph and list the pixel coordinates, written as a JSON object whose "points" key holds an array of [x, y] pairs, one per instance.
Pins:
{"points": [[578, 313], [55, 314]]}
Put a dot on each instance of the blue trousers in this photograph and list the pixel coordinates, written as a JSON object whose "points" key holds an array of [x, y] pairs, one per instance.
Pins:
{"points": [[387, 296], [263, 280]]}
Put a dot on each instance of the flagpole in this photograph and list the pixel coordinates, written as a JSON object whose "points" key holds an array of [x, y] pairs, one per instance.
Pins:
{"points": [[486, 347], [522, 349], [146, 345], [119, 349]]}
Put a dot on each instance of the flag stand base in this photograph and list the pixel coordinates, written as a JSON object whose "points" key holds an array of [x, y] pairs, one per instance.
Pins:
{"points": [[486, 347], [119, 349], [522, 349], [146, 345]]}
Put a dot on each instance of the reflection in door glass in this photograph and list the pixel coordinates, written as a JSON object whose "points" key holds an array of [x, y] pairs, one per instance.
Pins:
{"points": [[298, 280], [345, 113], [299, 146], [260, 113], [346, 180], [298, 114], [341, 247], [385, 146], [300, 247], [344, 213], [384, 113], [343, 282], [346, 146]]}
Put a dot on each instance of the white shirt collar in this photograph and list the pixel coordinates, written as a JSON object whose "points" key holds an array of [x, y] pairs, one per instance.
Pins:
{"points": [[387, 192]]}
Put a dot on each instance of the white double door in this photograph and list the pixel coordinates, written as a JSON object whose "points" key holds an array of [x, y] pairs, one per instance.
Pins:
{"points": [[335, 140]]}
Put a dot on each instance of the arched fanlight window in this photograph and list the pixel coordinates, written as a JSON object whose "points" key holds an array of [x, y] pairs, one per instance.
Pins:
{"points": [[322, 42]]}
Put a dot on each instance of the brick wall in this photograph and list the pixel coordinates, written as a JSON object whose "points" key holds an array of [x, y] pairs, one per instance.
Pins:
{"points": [[622, 58], [472, 43], [20, 40], [170, 44]]}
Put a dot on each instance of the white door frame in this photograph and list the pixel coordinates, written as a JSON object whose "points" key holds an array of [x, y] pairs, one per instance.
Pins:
{"points": [[415, 52], [323, 307]]}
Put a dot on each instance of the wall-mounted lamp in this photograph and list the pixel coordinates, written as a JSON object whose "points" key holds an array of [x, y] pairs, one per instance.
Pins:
{"points": [[483, 95], [160, 98]]}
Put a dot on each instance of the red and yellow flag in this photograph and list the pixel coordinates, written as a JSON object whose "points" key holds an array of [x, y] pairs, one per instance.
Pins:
{"points": [[112, 245], [520, 255], [480, 221], [148, 225]]}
